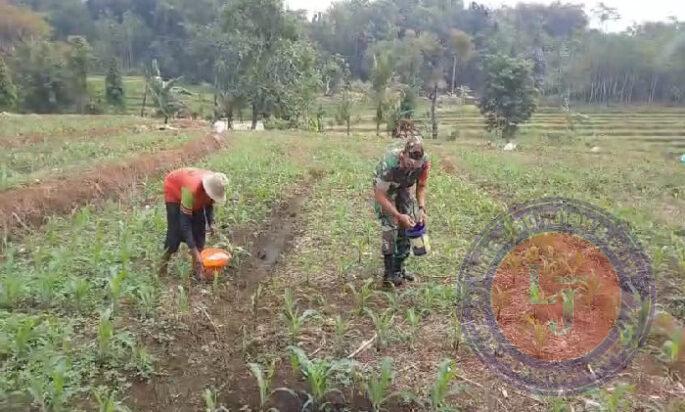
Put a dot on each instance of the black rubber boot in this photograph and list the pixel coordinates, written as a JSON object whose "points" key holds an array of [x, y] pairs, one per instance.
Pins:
{"points": [[401, 272], [408, 276], [391, 276]]}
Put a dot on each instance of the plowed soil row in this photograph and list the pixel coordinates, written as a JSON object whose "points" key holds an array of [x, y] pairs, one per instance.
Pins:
{"points": [[208, 353], [23, 208], [12, 142]]}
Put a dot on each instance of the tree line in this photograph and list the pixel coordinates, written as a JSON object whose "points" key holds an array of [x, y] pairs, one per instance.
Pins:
{"points": [[272, 61]]}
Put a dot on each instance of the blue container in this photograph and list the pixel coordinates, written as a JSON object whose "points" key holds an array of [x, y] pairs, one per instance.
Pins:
{"points": [[419, 240]]}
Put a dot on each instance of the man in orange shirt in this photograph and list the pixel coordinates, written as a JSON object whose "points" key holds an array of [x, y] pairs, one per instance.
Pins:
{"points": [[190, 194]]}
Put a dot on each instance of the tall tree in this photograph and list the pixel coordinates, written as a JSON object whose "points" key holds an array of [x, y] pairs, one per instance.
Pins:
{"points": [[8, 93], [509, 95], [381, 75], [19, 24], [114, 86], [79, 62]]}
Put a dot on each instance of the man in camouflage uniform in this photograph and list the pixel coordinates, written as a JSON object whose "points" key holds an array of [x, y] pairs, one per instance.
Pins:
{"points": [[400, 194]]}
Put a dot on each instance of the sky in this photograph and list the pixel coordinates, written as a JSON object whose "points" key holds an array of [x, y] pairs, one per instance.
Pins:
{"points": [[631, 10]]}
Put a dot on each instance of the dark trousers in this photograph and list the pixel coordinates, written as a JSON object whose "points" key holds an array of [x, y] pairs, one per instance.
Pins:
{"points": [[174, 233]]}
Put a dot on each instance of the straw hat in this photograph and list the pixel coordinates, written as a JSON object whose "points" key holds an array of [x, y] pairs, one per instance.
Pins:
{"points": [[215, 186]]}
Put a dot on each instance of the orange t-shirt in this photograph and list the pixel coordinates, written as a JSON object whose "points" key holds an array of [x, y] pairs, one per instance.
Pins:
{"points": [[184, 186]]}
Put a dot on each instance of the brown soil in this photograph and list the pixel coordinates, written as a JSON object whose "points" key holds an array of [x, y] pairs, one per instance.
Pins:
{"points": [[211, 352], [26, 207], [561, 258]]}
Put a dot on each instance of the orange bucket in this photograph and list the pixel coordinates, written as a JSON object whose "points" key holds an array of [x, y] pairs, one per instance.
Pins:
{"points": [[214, 261]]}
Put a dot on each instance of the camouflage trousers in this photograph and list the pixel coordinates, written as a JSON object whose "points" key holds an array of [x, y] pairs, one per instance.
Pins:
{"points": [[394, 239]]}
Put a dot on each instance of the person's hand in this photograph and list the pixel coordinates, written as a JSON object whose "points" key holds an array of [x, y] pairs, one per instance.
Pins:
{"points": [[423, 217], [406, 222]]}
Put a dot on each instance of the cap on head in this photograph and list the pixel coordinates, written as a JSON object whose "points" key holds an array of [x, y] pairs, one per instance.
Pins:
{"points": [[414, 148], [215, 186]]}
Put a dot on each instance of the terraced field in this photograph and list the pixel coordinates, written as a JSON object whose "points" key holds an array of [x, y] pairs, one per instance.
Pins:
{"points": [[642, 128], [87, 323]]}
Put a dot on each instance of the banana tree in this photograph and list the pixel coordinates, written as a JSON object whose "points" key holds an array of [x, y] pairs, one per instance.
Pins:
{"points": [[166, 95]]}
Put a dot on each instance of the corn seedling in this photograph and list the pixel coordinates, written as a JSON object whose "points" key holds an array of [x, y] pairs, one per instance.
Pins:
{"points": [[341, 328], [106, 400], [11, 291], [319, 374], [51, 393], [254, 300], [105, 334], [591, 286], [539, 334], [455, 333], [414, 320], [559, 405], [672, 348], [615, 400], [23, 336], [143, 362], [291, 315], [115, 286], [79, 289], [209, 396], [393, 300], [382, 323], [378, 386], [500, 300], [146, 299], [361, 296], [182, 300], [47, 284], [264, 381], [443, 386]]}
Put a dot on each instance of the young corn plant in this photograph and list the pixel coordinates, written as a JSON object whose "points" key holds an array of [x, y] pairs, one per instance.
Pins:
{"points": [[616, 400], [11, 291], [182, 300], [671, 349], [319, 374], [142, 363], [500, 300], [378, 386], [293, 318], [107, 402], [443, 387], [146, 300], [105, 335], [79, 289], [116, 284], [559, 405], [362, 296], [414, 321], [455, 333], [393, 300], [341, 328], [382, 323], [264, 380], [209, 396]]}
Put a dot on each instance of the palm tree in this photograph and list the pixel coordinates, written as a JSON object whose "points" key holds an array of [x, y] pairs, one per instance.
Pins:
{"points": [[462, 50]]}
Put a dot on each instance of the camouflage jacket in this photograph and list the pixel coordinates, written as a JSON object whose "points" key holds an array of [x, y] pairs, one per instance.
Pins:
{"points": [[391, 178]]}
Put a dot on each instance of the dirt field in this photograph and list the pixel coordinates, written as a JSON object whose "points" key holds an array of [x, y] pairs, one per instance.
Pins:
{"points": [[86, 321]]}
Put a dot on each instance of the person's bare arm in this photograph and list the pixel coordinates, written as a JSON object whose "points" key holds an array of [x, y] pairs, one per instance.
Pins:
{"points": [[421, 193], [387, 205]]}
